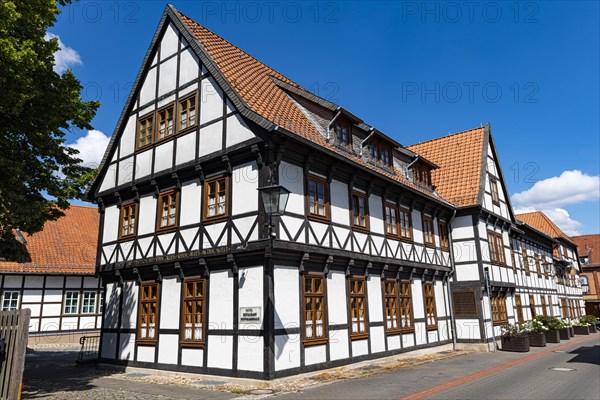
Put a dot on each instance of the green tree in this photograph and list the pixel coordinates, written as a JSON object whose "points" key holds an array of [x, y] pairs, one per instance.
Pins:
{"points": [[38, 173]]}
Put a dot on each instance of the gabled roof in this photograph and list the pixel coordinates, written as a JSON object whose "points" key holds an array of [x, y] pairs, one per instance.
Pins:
{"points": [[67, 245], [460, 157], [541, 222], [588, 246], [255, 89]]}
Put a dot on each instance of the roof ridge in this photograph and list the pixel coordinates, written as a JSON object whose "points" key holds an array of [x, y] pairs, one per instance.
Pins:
{"points": [[240, 49], [447, 136]]}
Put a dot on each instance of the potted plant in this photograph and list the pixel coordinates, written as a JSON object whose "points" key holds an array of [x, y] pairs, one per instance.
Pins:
{"points": [[536, 331], [553, 324], [580, 327], [563, 329], [591, 320], [514, 339]]}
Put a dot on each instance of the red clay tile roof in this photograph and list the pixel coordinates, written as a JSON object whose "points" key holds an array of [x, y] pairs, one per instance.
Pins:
{"points": [[541, 222], [459, 157], [67, 245], [251, 79], [588, 246]]}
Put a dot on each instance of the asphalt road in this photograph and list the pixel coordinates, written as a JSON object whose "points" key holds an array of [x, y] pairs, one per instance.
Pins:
{"points": [[477, 376], [489, 376]]}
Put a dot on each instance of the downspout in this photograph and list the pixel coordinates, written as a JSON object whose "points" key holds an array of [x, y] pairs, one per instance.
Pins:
{"points": [[338, 112], [452, 272], [362, 144]]}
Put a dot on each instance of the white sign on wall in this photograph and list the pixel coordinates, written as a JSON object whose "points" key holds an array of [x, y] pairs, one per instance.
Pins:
{"points": [[250, 315]]}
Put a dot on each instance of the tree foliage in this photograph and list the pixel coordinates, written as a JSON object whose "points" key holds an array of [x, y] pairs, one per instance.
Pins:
{"points": [[38, 173]]}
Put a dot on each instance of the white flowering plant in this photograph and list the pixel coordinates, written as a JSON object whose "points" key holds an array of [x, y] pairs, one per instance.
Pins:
{"points": [[534, 326]]}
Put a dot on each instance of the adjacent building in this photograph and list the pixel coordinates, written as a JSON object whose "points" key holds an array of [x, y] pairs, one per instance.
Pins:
{"points": [[201, 276], [55, 279], [588, 248]]}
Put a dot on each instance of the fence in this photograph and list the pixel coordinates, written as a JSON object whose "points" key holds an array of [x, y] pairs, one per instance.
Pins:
{"points": [[14, 331], [89, 349]]}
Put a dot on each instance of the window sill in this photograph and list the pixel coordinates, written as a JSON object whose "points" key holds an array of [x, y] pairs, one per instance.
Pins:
{"points": [[360, 336], [186, 130], [319, 218], [430, 245], [166, 229], [185, 343], [127, 238], [432, 327], [315, 342], [361, 229], [214, 220], [141, 342]]}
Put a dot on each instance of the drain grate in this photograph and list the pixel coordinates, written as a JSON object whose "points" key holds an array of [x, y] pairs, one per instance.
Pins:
{"points": [[560, 369], [261, 391]]}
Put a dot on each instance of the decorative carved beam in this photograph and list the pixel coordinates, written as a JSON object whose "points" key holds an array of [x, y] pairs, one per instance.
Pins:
{"points": [[156, 269]]}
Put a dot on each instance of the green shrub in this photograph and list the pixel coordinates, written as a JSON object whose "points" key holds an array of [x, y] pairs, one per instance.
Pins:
{"points": [[549, 322], [589, 319]]}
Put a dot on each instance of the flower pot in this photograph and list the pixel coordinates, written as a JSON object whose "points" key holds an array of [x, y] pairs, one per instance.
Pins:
{"points": [[552, 336], [515, 343], [564, 334], [593, 329], [571, 331], [581, 330], [537, 339]]}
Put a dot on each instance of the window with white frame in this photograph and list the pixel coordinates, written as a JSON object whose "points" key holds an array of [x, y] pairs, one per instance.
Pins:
{"points": [[71, 303], [88, 304], [10, 301]]}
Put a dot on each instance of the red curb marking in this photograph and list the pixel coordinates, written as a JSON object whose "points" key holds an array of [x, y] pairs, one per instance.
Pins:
{"points": [[469, 378]]}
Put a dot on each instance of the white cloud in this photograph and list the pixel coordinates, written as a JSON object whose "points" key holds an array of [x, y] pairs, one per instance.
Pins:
{"points": [[569, 188], [559, 216], [91, 147], [65, 57]]}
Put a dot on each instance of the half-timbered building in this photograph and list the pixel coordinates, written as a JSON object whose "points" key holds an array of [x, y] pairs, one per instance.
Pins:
{"points": [[55, 278], [567, 269], [588, 248], [508, 268], [199, 278]]}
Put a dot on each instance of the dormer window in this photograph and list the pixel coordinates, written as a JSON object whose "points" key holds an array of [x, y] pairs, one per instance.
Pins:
{"points": [[422, 174], [380, 154], [343, 137]]}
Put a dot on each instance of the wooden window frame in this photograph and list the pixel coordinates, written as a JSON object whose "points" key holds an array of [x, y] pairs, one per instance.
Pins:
{"points": [[359, 195], [389, 205], [544, 309], [499, 312], [563, 307], [444, 235], [159, 208], [494, 191], [315, 340], [180, 106], [380, 148], [427, 219], [125, 207], [141, 303], [429, 286], [388, 310], [140, 120], [519, 306], [513, 260], [538, 265], [157, 138], [532, 306], [526, 262], [422, 174], [217, 217], [339, 124], [465, 313], [194, 299], [545, 270], [495, 241], [357, 335], [401, 220], [398, 296], [327, 201]]}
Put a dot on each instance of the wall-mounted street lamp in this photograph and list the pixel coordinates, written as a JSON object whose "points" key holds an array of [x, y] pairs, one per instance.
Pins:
{"points": [[274, 198]]}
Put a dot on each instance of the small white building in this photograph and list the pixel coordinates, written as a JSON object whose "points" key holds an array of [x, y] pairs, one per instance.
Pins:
{"points": [[55, 278]]}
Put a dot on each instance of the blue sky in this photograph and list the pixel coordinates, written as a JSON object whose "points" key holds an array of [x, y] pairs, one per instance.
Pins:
{"points": [[414, 70]]}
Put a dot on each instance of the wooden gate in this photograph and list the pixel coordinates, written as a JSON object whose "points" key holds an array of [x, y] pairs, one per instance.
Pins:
{"points": [[14, 331]]}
